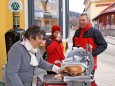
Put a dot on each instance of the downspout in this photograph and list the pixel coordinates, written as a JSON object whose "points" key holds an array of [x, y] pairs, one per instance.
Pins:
{"points": [[64, 18], [26, 14]]}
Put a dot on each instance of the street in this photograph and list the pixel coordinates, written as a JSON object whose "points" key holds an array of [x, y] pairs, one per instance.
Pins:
{"points": [[105, 73]]}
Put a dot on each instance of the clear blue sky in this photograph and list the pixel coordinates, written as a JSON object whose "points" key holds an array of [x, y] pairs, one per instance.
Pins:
{"points": [[76, 5]]}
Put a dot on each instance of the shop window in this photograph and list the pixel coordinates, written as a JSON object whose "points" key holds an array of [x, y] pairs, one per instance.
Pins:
{"points": [[108, 26], [46, 12], [112, 19], [108, 20]]}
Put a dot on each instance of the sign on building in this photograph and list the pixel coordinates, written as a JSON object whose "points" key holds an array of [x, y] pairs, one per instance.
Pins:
{"points": [[15, 5]]}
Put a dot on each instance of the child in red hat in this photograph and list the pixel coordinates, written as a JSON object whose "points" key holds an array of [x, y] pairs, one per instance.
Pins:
{"points": [[56, 28], [54, 47]]}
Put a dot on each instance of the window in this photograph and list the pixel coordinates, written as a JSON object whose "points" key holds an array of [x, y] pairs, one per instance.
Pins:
{"points": [[46, 12], [112, 19], [108, 20]]}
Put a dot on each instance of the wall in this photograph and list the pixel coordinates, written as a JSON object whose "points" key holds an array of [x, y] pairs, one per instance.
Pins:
{"points": [[94, 11], [6, 23], [90, 6]]}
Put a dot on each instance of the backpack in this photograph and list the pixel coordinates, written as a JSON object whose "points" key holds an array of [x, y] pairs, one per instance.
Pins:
{"points": [[44, 56]]}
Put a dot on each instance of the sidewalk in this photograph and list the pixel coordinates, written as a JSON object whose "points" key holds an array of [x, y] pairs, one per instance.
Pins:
{"points": [[110, 39], [111, 45], [105, 73]]}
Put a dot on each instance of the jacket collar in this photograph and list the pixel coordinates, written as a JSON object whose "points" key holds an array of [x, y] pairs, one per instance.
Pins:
{"points": [[87, 27]]}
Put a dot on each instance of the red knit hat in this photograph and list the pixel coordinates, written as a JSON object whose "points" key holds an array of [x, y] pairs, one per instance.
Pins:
{"points": [[56, 28]]}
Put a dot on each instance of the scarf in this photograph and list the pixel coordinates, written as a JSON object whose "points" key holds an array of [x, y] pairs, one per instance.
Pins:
{"points": [[87, 27], [31, 51]]}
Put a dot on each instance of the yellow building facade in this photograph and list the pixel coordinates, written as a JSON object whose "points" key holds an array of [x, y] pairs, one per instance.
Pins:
{"points": [[94, 7], [6, 23]]}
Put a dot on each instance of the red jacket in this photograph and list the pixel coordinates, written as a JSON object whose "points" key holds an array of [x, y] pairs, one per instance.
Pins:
{"points": [[92, 36], [55, 51]]}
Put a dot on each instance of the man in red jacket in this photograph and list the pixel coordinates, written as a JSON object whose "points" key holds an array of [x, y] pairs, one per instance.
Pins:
{"points": [[54, 47], [86, 34]]}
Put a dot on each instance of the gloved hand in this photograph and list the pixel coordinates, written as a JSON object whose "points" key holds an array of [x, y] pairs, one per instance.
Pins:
{"points": [[56, 69]]}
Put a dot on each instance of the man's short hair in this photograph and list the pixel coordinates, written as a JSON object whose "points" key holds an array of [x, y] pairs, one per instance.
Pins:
{"points": [[85, 13]]}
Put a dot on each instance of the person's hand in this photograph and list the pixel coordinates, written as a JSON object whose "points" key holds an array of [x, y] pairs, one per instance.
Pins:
{"points": [[56, 69], [58, 38]]}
